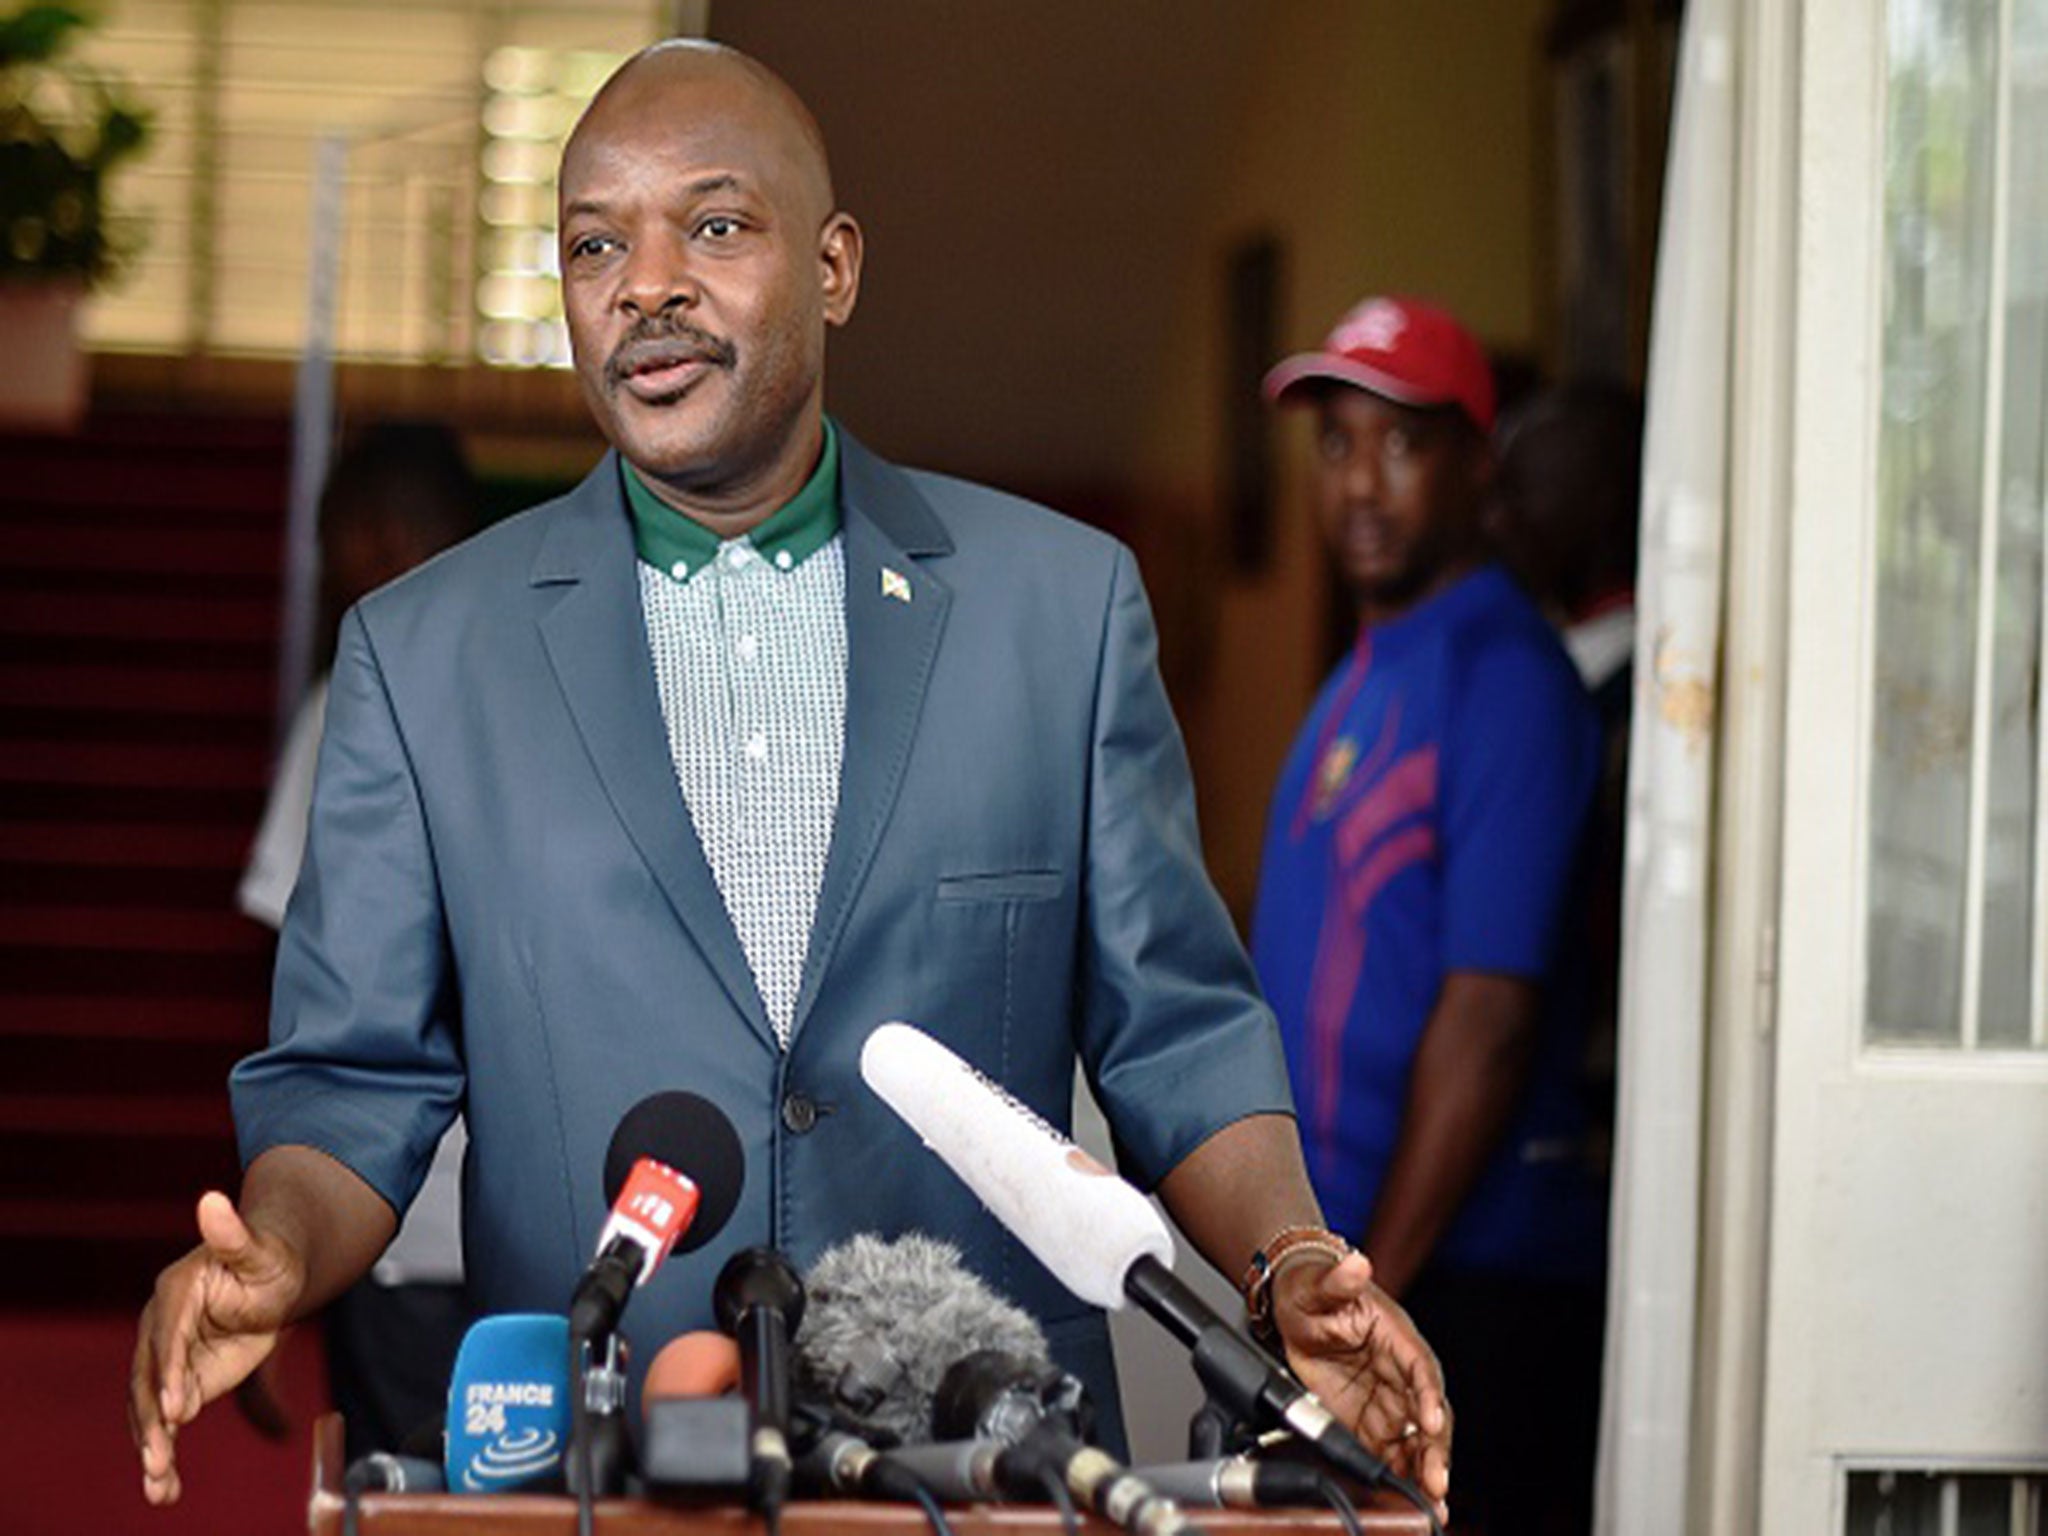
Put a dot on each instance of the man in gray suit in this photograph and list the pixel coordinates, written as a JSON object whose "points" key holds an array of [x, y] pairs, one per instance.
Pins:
{"points": [[694, 776]]}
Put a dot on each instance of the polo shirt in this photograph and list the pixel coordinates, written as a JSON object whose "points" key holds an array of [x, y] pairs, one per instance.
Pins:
{"points": [[1431, 818]]}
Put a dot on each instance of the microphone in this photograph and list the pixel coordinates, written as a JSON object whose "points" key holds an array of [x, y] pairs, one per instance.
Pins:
{"points": [[672, 1176], [383, 1472], [995, 1394], [958, 1471], [508, 1404], [656, 1206], [884, 1320], [1239, 1482], [759, 1300], [1098, 1235], [696, 1364], [1080, 1220], [1039, 1415], [654, 1209], [686, 1131], [696, 1433]]}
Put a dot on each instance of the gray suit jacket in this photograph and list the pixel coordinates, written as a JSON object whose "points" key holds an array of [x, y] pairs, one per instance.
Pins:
{"points": [[505, 912]]}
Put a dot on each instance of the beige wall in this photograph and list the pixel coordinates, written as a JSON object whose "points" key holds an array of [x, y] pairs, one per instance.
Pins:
{"points": [[1050, 189]]}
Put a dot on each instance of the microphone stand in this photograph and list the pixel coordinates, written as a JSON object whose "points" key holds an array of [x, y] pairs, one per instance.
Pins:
{"points": [[597, 1426], [1217, 1430]]}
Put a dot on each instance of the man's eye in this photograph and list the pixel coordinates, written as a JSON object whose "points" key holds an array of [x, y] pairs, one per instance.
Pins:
{"points": [[719, 226], [585, 246], [1332, 446], [1399, 441]]}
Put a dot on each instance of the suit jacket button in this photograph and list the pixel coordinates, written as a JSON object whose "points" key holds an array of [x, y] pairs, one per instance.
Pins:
{"points": [[799, 1114]]}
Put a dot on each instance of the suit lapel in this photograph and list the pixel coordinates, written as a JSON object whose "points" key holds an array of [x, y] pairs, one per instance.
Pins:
{"points": [[596, 641], [895, 612]]}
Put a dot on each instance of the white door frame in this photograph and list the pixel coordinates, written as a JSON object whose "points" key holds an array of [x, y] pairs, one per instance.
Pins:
{"points": [[1726, 1440]]}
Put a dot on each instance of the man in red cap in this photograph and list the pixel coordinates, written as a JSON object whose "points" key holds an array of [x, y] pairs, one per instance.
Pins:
{"points": [[1421, 870]]}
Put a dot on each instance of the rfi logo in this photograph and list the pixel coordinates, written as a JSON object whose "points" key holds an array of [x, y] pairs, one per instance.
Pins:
{"points": [[656, 1209]]}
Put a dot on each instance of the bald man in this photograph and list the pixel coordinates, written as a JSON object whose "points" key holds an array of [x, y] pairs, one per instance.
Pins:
{"points": [[693, 777]]}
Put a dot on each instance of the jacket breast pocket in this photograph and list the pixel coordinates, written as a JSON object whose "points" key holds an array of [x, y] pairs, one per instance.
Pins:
{"points": [[1011, 885]]}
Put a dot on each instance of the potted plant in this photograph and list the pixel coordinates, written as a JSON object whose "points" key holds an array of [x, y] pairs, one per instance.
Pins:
{"points": [[63, 129]]}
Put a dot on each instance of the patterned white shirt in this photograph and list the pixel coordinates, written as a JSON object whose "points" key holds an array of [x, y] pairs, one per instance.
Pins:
{"points": [[749, 654]]}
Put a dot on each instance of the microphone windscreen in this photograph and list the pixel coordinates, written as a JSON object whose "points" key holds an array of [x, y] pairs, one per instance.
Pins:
{"points": [[693, 1136], [882, 1323], [1080, 1220], [508, 1404], [696, 1364]]}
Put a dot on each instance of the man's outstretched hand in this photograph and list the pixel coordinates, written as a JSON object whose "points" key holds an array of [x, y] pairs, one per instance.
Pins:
{"points": [[215, 1316], [1353, 1346]]}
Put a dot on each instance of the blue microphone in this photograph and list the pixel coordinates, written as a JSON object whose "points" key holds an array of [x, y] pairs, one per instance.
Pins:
{"points": [[508, 1404]]}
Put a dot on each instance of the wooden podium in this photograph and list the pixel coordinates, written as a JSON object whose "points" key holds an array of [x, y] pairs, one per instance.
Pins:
{"points": [[518, 1514]]}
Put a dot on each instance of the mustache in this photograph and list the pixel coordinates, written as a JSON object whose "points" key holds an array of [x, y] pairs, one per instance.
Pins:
{"points": [[658, 342]]}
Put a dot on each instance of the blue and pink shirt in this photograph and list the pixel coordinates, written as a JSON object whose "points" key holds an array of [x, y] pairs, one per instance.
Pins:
{"points": [[1431, 818]]}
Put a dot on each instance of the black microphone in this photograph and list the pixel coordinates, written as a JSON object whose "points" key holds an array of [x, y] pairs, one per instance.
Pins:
{"points": [[759, 1300], [1244, 1377], [998, 1394], [1040, 1415]]}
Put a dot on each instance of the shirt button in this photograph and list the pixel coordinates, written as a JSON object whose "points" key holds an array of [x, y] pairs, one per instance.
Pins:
{"points": [[748, 646], [782, 560], [737, 555], [757, 746], [680, 570], [799, 1114]]}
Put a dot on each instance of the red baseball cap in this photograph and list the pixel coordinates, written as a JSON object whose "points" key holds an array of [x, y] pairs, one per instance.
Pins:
{"points": [[1405, 350]]}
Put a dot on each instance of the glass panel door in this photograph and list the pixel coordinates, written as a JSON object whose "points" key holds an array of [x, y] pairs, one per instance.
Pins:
{"points": [[1956, 865]]}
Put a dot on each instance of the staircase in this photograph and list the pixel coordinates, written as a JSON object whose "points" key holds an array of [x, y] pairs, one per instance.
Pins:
{"points": [[140, 581]]}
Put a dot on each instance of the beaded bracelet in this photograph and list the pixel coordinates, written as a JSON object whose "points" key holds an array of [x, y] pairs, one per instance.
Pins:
{"points": [[1271, 1257]]}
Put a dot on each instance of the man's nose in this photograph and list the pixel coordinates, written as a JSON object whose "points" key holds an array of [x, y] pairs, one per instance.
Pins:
{"points": [[1360, 475], [658, 278]]}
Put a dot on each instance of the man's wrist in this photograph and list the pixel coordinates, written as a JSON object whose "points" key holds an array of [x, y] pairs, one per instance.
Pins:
{"points": [[1284, 1250]]}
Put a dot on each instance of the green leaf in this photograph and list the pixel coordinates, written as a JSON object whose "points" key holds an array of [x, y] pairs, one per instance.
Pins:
{"points": [[37, 33]]}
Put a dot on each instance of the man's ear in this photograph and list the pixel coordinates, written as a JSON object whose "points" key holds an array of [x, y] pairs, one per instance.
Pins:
{"points": [[839, 256]]}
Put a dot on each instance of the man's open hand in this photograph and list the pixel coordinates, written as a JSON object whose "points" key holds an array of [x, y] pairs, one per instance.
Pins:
{"points": [[1353, 1346], [215, 1316]]}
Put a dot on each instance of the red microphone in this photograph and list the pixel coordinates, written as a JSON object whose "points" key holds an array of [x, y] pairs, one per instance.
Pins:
{"points": [[655, 1206]]}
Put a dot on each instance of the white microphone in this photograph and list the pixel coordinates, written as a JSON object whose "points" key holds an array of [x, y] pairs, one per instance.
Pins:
{"points": [[1079, 1219], [1097, 1234]]}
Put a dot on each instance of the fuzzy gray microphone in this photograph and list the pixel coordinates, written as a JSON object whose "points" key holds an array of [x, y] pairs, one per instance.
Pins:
{"points": [[883, 1322]]}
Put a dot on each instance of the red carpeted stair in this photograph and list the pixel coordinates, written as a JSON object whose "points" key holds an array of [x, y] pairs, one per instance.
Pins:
{"points": [[139, 587]]}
